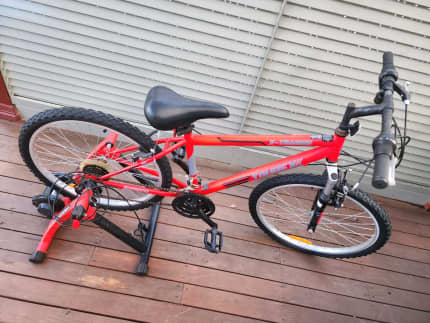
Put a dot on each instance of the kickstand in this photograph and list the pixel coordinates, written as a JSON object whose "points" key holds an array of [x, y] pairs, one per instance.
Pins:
{"points": [[142, 267]]}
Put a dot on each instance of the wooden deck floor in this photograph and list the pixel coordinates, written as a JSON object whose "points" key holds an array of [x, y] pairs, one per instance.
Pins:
{"points": [[89, 275]]}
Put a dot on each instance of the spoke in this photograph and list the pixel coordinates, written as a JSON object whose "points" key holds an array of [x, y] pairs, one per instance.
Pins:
{"points": [[63, 159], [327, 218], [285, 203], [345, 228], [85, 139], [49, 141], [351, 231], [329, 237], [340, 221], [67, 140], [288, 220], [280, 214], [302, 204], [356, 234], [50, 153], [56, 162], [130, 144], [361, 226], [346, 216], [296, 215], [352, 240], [278, 206]]}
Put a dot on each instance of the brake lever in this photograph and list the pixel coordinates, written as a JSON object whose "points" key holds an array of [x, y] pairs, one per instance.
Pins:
{"points": [[405, 88], [403, 91]]}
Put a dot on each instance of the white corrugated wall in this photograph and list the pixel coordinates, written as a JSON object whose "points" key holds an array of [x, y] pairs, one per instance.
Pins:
{"points": [[278, 66]]}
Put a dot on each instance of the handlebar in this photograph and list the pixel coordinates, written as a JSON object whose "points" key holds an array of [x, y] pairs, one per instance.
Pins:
{"points": [[384, 144], [388, 62]]}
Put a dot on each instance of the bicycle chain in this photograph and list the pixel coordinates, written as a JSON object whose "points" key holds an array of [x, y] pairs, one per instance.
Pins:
{"points": [[149, 203]]}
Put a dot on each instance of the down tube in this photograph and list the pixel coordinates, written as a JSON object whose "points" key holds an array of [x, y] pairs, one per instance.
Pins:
{"points": [[301, 159]]}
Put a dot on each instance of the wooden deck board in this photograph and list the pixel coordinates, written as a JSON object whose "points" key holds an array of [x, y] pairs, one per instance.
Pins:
{"points": [[104, 302], [186, 273], [14, 311], [89, 275], [247, 247]]}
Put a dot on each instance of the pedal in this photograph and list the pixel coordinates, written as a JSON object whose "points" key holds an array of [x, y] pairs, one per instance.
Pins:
{"points": [[213, 240]]}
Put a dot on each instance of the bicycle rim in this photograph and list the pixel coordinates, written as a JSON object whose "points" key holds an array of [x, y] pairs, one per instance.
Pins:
{"points": [[65, 146], [285, 211]]}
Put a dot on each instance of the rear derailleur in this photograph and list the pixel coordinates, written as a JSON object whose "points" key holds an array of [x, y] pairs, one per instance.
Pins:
{"points": [[197, 206]]}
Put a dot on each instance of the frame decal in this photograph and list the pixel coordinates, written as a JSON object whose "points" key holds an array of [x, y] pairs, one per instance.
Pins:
{"points": [[237, 181], [243, 141], [279, 168], [290, 142]]}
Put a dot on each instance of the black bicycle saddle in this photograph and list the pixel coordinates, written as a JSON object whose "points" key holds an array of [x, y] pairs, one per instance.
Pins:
{"points": [[167, 110]]}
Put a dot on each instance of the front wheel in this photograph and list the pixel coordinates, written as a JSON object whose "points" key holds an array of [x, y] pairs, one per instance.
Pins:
{"points": [[282, 205]]}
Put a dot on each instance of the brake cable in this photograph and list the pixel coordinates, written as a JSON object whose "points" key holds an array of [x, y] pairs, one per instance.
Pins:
{"points": [[404, 140]]}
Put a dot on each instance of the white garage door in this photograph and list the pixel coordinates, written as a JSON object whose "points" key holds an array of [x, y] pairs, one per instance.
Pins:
{"points": [[278, 66]]}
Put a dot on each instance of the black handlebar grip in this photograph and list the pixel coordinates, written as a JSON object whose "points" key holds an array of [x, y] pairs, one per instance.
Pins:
{"points": [[387, 59], [385, 143], [381, 171], [383, 149], [388, 69]]}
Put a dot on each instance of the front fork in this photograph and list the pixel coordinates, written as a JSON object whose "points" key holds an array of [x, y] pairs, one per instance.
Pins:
{"points": [[323, 197]]}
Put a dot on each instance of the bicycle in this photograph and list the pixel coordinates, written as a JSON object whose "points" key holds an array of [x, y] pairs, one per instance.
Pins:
{"points": [[97, 161]]}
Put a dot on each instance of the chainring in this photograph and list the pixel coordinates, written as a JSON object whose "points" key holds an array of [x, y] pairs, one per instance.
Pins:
{"points": [[191, 205]]}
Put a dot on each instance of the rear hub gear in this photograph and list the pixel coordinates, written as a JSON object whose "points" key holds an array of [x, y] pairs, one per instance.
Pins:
{"points": [[193, 205], [96, 167]]}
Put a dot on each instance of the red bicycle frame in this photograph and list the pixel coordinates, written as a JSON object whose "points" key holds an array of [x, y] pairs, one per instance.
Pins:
{"points": [[328, 147]]}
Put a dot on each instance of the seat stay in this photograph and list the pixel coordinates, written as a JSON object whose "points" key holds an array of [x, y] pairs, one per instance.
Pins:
{"points": [[141, 163]]}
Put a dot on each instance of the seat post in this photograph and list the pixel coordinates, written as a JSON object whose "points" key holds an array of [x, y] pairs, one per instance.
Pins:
{"points": [[193, 178]]}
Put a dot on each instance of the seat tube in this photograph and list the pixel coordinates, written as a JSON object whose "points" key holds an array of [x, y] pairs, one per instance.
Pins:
{"points": [[193, 178]]}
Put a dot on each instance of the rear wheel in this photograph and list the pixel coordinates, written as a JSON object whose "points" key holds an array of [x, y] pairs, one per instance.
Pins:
{"points": [[281, 206], [61, 141]]}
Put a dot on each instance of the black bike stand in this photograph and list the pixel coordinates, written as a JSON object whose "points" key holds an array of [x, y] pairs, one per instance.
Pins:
{"points": [[142, 268], [143, 245]]}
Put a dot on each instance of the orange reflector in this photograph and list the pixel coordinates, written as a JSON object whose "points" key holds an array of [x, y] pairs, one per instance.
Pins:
{"points": [[300, 239]]}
